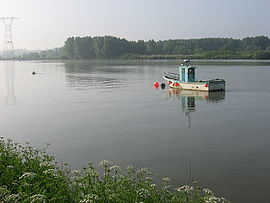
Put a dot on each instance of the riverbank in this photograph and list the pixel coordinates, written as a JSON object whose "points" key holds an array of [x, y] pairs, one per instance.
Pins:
{"points": [[206, 55], [31, 175], [216, 55]]}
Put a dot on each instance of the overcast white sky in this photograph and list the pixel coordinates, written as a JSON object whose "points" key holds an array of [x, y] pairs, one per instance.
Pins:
{"points": [[45, 24]]}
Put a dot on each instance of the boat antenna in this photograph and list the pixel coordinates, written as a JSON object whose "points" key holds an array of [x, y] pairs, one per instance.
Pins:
{"points": [[189, 55]]}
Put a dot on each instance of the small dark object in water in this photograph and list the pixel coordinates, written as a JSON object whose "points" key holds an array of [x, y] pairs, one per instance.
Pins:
{"points": [[34, 73], [162, 85]]}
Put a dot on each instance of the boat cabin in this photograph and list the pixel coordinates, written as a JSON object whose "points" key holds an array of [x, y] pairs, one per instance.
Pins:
{"points": [[187, 72]]}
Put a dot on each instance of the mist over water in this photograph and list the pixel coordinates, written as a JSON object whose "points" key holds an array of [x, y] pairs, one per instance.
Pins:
{"points": [[108, 109]]}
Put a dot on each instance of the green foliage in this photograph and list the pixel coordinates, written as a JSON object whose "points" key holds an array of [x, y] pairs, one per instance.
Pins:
{"points": [[57, 53], [69, 48], [113, 47], [29, 175], [209, 48], [262, 54]]}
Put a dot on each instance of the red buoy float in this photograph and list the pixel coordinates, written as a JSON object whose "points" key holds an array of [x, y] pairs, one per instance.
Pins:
{"points": [[156, 84], [170, 82], [176, 84]]}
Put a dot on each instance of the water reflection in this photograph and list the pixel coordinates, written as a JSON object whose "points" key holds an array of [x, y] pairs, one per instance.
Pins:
{"points": [[83, 76], [190, 174], [87, 81], [97, 66], [10, 78], [188, 99]]}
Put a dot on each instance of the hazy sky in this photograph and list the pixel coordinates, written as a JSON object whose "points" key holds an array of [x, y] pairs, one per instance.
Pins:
{"points": [[46, 24]]}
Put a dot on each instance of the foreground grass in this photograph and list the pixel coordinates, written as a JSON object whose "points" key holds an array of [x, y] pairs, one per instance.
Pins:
{"points": [[31, 175]]}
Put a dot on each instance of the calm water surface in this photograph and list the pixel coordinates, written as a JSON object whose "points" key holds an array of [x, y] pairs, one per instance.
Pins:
{"points": [[96, 110]]}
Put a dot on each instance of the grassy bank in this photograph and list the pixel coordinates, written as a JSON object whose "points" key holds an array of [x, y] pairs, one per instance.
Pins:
{"points": [[31, 175], [257, 54]]}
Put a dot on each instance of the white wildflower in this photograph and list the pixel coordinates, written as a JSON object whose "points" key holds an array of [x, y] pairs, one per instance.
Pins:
{"points": [[3, 191], [153, 185], [207, 191], [45, 163], [49, 171], [89, 198], [38, 198], [212, 199], [105, 163], [76, 172], [115, 168], [9, 140], [185, 188], [80, 185], [148, 178], [28, 175], [223, 199], [25, 184], [92, 172], [166, 179], [10, 166], [143, 193], [144, 170], [14, 198], [130, 168]]}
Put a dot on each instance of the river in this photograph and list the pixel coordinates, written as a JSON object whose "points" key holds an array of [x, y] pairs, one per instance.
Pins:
{"points": [[108, 109]]}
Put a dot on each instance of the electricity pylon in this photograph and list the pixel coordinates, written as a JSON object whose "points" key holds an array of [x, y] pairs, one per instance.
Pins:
{"points": [[8, 51]]}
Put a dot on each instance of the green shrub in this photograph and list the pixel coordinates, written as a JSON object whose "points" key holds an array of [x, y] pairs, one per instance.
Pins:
{"points": [[29, 175]]}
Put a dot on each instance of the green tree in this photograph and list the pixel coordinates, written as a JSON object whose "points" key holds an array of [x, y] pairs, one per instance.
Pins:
{"points": [[69, 47]]}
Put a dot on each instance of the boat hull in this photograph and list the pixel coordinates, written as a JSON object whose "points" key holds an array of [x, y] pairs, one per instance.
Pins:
{"points": [[208, 85]]}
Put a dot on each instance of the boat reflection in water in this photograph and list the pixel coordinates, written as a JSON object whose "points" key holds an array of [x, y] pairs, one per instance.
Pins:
{"points": [[188, 99]]}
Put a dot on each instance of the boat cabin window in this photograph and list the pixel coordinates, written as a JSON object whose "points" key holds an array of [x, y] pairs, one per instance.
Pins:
{"points": [[191, 71], [191, 74]]}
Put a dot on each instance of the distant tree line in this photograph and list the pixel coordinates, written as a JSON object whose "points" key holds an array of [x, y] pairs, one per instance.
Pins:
{"points": [[113, 47], [204, 48], [56, 53]]}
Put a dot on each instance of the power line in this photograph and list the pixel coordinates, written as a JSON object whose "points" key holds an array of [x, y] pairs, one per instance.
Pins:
{"points": [[8, 51]]}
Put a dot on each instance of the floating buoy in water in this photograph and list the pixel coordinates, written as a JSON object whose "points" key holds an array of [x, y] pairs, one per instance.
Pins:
{"points": [[156, 84], [176, 84], [170, 82], [162, 85]]}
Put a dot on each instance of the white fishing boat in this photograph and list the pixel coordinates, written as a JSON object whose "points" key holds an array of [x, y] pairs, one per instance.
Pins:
{"points": [[185, 79]]}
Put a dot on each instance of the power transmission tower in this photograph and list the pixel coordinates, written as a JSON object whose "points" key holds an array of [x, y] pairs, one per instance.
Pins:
{"points": [[8, 51]]}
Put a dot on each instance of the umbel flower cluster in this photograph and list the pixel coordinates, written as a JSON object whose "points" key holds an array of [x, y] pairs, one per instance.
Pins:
{"points": [[29, 175]]}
